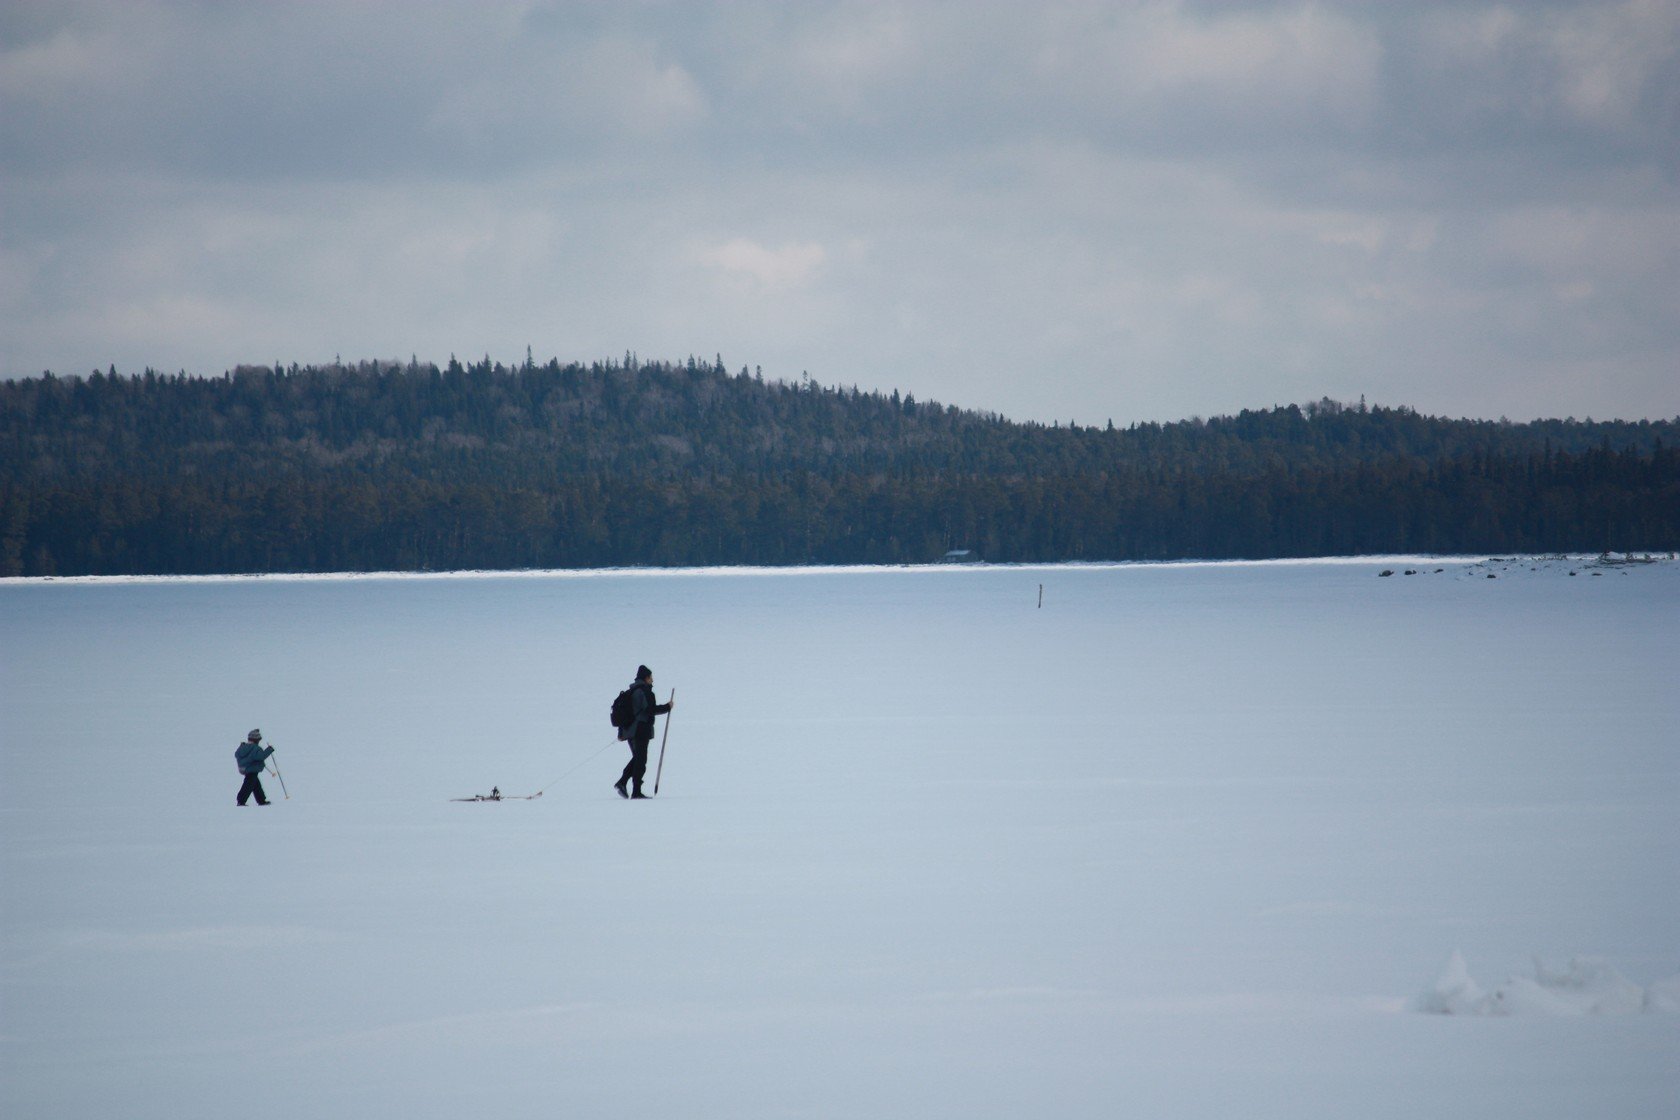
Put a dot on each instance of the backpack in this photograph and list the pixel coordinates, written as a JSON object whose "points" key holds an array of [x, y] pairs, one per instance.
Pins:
{"points": [[624, 709]]}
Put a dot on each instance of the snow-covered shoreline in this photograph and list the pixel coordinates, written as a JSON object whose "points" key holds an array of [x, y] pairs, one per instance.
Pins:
{"points": [[1380, 559]]}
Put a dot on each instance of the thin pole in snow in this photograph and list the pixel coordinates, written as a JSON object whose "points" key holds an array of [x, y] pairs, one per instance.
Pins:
{"points": [[276, 767], [660, 769]]}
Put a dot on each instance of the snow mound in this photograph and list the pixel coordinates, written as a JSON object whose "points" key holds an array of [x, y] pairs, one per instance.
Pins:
{"points": [[1587, 986]]}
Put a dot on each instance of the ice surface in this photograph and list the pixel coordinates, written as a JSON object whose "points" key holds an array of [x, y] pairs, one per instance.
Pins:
{"points": [[1184, 842], [1587, 986]]}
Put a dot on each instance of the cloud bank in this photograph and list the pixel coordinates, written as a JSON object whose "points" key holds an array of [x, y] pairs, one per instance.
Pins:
{"points": [[1063, 211]]}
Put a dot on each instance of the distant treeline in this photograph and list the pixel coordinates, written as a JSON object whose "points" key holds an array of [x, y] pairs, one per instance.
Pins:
{"points": [[387, 466]]}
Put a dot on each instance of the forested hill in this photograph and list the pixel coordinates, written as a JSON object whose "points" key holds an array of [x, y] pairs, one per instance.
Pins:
{"points": [[383, 466]]}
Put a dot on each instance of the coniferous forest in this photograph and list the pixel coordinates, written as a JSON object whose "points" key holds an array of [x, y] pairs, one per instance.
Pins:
{"points": [[390, 466]]}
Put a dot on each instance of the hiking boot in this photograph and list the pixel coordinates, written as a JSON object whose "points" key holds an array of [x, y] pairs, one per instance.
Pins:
{"points": [[622, 792], [640, 796]]}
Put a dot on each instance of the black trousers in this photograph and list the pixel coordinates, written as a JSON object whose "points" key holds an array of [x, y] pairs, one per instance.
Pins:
{"points": [[253, 785], [636, 770]]}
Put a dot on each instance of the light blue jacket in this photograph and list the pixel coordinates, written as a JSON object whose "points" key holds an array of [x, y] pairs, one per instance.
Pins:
{"points": [[251, 757]]}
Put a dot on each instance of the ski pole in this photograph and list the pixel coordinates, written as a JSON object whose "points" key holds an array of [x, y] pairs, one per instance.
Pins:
{"points": [[660, 769], [276, 767]]}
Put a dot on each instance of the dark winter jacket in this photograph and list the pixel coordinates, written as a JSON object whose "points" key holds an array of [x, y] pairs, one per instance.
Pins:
{"points": [[644, 705], [251, 756]]}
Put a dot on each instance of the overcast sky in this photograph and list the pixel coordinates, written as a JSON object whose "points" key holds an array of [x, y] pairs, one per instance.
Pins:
{"points": [[1053, 211]]}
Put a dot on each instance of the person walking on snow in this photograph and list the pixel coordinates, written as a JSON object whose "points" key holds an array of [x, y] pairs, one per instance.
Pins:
{"points": [[640, 732], [250, 757]]}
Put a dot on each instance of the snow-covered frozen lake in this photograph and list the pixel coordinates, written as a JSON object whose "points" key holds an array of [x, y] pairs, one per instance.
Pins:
{"points": [[1185, 841]]}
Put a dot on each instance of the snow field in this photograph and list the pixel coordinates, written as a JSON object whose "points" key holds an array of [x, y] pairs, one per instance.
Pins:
{"points": [[1188, 841]]}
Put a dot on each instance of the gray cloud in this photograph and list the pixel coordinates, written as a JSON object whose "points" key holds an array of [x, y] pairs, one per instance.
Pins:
{"points": [[1066, 211]]}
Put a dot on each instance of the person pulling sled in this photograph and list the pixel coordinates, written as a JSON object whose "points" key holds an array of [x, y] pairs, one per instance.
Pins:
{"points": [[633, 713]]}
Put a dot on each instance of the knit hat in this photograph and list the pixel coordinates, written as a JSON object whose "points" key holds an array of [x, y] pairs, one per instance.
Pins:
{"points": [[254, 736], [643, 672]]}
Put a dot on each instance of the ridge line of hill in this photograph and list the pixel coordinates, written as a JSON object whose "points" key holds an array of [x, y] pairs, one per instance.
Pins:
{"points": [[383, 465]]}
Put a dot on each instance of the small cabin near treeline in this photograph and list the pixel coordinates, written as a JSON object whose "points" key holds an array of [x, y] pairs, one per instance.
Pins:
{"points": [[961, 556]]}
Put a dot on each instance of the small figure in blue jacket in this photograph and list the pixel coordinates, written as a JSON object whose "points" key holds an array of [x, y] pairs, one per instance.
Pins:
{"points": [[250, 756]]}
